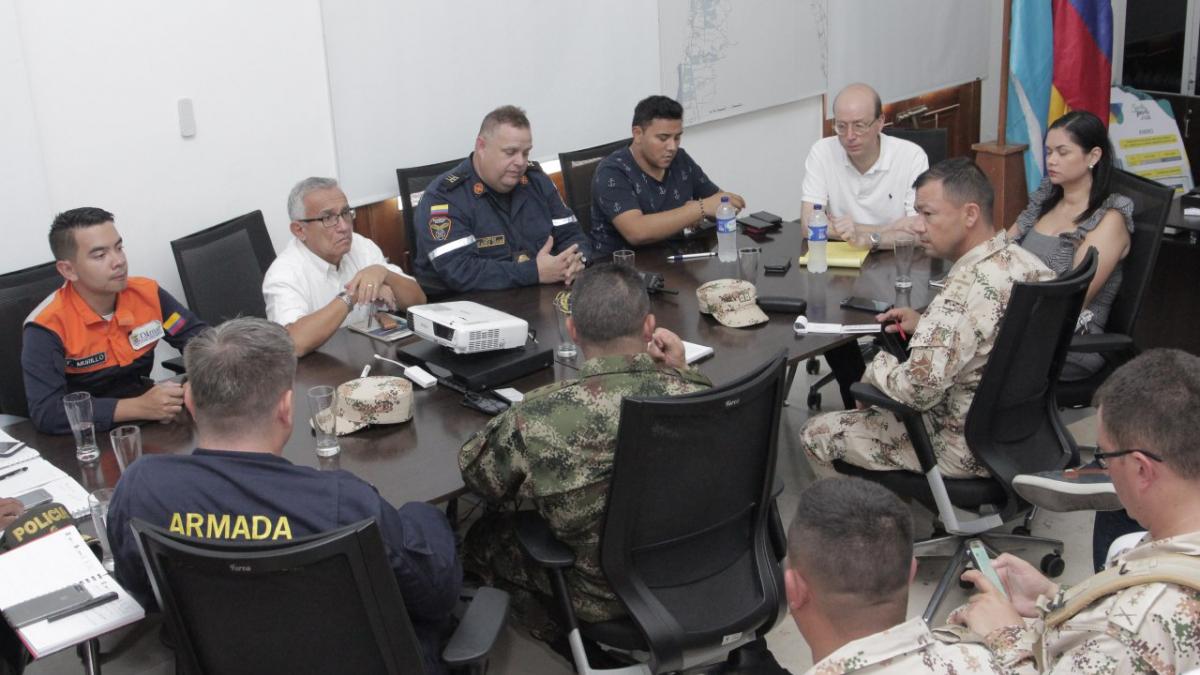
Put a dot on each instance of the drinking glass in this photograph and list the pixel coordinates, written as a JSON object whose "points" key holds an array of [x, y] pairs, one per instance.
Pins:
{"points": [[748, 264], [322, 403], [623, 258], [79, 413], [562, 309], [127, 444], [98, 502]]}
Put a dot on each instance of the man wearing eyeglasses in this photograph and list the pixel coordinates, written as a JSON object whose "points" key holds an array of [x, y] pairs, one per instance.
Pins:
{"points": [[1142, 614], [327, 276], [863, 179]]}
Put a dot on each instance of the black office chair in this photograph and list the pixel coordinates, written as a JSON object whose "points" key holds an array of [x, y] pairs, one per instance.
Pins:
{"points": [[577, 168], [935, 142], [222, 268], [413, 182], [327, 603], [20, 293], [687, 545], [1151, 203], [1012, 428]]}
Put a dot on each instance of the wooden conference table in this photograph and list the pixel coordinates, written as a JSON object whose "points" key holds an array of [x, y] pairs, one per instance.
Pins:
{"points": [[417, 460]]}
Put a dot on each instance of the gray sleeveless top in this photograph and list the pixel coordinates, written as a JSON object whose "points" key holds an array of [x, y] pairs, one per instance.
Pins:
{"points": [[1058, 252]]}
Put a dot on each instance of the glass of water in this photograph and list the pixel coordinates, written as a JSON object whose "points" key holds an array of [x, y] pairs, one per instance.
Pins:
{"points": [[322, 403], [98, 502], [905, 250], [79, 413], [562, 309]]}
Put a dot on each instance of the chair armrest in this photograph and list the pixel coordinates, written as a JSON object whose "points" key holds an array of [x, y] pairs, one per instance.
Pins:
{"points": [[1101, 343], [476, 634], [868, 393], [175, 365], [539, 542]]}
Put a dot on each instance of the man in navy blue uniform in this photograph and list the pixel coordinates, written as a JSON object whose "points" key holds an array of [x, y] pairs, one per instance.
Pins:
{"points": [[236, 484], [496, 220], [652, 189]]}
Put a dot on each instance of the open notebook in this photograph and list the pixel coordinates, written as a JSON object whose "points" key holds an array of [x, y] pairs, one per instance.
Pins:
{"points": [[55, 561]]}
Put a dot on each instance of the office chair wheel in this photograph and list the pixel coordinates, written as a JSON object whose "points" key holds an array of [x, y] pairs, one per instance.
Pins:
{"points": [[812, 367], [1053, 565], [814, 400], [1022, 531]]}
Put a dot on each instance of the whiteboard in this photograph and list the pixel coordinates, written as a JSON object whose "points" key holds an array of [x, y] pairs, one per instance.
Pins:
{"points": [[907, 48], [727, 57], [410, 81]]}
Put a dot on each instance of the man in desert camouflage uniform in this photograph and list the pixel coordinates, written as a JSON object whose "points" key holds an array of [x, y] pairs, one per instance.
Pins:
{"points": [[950, 342], [850, 565], [1121, 620], [556, 448]]}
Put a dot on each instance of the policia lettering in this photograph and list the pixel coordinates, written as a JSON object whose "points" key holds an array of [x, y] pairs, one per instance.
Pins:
{"points": [[225, 526]]}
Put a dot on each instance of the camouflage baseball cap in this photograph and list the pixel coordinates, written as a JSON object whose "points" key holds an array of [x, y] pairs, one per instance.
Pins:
{"points": [[380, 399], [732, 302]]}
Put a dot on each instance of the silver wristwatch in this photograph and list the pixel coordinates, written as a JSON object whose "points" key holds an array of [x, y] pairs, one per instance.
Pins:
{"points": [[874, 238], [345, 297]]}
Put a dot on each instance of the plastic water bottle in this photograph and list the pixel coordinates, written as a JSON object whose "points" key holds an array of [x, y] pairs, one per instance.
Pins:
{"points": [[726, 231], [818, 235]]}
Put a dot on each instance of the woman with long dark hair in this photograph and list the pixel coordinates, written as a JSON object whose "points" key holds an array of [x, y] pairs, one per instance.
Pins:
{"points": [[1073, 209]]}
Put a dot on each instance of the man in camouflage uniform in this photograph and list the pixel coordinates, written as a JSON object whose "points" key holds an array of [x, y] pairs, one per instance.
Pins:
{"points": [[850, 563], [950, 342], [1146, 413], [556, 448]]}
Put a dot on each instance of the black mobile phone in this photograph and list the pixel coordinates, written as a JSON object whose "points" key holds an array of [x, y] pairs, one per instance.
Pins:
{"points": [[777, 266], [866, 305], [36, 609]]}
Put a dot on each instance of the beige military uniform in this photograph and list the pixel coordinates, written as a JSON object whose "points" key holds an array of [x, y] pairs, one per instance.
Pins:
{"points": [[907, 648], [1152, 628], [949, 350]]}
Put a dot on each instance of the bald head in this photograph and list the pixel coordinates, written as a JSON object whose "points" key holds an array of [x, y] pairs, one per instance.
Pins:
{"points": [[858, 98]]}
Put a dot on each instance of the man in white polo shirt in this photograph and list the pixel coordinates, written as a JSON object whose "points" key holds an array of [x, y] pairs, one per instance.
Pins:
{"points": [[862, 177], [327, 276]]}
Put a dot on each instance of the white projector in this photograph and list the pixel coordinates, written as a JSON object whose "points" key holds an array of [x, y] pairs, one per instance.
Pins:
{"points": [[467, 327]]}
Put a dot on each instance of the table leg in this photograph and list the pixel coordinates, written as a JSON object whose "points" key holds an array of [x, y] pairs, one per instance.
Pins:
{"points": [[89, 652]]}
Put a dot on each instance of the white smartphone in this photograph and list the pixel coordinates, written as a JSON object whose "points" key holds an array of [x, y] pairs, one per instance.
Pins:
{"points": [[34, 498], [984, 564]]}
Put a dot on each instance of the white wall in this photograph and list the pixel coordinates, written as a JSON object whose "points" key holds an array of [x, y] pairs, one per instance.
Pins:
{"points": [[105, 78], [989, 94]]}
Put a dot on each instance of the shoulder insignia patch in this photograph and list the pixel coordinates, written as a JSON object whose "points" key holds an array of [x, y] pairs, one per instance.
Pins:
{"points": [[478, 189], [452, 181], [439, 222]]}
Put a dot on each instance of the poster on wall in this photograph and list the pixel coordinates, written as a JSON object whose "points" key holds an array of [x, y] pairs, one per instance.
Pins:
{"points": [[1146, 139]]}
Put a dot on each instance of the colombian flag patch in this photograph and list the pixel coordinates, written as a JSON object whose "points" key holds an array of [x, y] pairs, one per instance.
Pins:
{"points": [[174, 323]]}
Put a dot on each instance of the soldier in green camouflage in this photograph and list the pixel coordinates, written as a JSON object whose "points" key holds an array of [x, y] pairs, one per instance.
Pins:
{"points": [[556, 448]]}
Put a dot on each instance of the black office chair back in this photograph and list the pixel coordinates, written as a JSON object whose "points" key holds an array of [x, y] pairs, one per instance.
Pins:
{"points": [[222, 268], [935, 142], [685, 543], [1013, 425], [20, 293], [1151, 204], [577, 168], [413, 181], [322, 604]]}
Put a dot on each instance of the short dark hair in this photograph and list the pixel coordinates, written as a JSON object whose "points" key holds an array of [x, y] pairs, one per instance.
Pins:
{"points": [[1150, 403], [656, 108], [505, 114], [851, 536], [609, 302], [62, 235], [962, 182], [237, 371]]}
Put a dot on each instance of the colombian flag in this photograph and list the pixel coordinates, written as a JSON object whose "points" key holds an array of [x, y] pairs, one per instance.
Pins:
{"points": [[1082, 58]]}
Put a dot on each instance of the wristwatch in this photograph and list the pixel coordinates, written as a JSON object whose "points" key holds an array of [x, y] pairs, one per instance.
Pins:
{"points": [[345, 297], [874, 238]]}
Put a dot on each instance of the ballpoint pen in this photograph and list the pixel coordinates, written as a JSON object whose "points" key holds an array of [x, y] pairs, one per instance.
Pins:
{"points": [[14, 472], [683, 257]]}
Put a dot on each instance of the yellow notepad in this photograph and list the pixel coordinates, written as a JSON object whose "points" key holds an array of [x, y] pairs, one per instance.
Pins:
{"points": [[841, 254]]}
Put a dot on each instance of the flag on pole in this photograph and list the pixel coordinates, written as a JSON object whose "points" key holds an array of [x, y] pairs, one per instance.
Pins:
{"points": [[1082, 58], [1031, 67]]}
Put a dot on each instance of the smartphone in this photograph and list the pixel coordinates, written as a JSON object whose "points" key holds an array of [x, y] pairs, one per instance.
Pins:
{"points": [[36, 609], [777, 266], [866, 305], [34, 498], [984, 564], [10, 448]]}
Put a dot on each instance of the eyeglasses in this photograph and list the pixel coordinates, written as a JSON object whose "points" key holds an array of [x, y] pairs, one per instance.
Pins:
{"points": [[331, 220], [840, 128], [1103, 457]]}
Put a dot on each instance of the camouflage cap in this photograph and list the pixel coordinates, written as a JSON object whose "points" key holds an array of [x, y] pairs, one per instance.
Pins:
{"points": [[380, 399], [732, 302]]}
